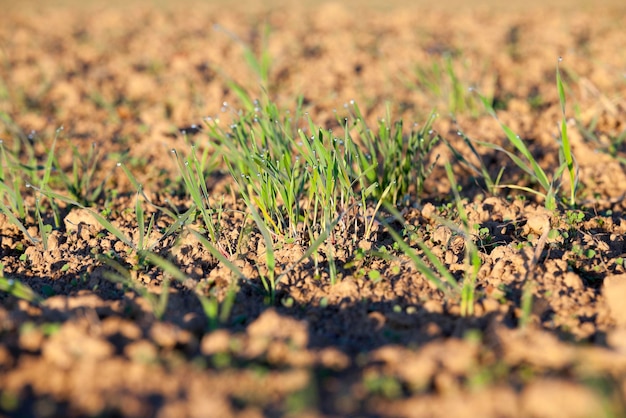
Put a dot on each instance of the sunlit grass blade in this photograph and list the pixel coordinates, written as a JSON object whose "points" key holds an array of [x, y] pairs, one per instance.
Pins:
{"points": [[269, 283], [140, 220], [565, 143], [43, 228], [449, 284], [535, 170], [193, 178], [472, 258], [443, 285]]}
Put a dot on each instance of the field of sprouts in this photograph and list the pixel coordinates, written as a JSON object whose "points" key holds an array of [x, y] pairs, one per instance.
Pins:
{"points": [[312, 210]]}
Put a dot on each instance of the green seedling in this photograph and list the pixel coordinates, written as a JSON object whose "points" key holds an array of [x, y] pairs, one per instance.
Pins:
{"points": [[526, 301], [211, 306], [122, 275], [79, 183], [179, 221], [439, 275], [194, 179], [550, 185], [257, 151], [12, 173], [290, 178], [44, 230], [259, 63], [402, 160], [472, 257], [527, 163], [19, 290], [269, 280], [565, 147], [440, 80], [492, 184]]}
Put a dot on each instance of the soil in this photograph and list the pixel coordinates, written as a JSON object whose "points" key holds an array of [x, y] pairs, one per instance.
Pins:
{"points": [[125, 79]]}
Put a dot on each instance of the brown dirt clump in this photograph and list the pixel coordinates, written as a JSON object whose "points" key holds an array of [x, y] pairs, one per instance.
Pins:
{"points": [[126, 80]]}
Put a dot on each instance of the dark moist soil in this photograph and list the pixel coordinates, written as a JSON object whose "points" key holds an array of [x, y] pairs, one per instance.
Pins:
{"points": [[126, 79]]}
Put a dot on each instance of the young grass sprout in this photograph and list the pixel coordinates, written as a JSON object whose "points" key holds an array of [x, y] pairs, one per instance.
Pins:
{"points": [[439, 275], [550, 185], [565, 147]]}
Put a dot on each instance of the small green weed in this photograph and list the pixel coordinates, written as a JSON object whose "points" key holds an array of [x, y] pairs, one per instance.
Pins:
{"points": [[19, 290], [550, 185]]}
